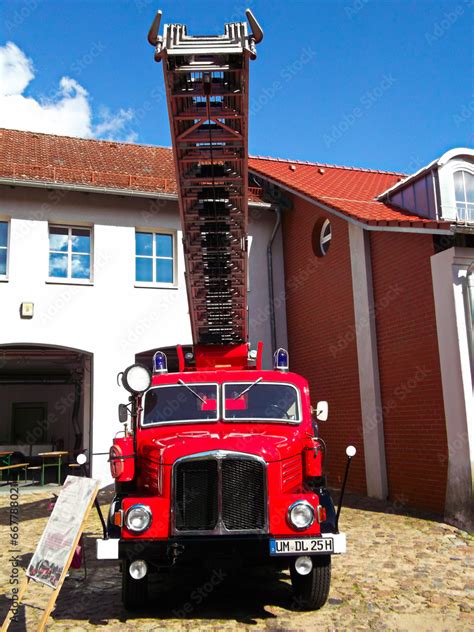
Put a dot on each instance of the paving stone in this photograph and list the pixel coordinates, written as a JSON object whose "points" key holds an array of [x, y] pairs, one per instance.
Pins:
{"points": [[402, 572]]}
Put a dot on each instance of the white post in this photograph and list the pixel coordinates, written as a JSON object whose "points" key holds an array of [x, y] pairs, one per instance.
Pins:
{"points": [[369, 381]]}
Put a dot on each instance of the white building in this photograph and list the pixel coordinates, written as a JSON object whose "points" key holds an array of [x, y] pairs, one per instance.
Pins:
{"points": [[91, 279]]}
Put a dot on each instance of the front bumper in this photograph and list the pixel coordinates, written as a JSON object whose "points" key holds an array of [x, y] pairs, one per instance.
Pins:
{"points": [[241, 550]]}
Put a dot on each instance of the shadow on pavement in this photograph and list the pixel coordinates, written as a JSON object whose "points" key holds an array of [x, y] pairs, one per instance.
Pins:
{"points": [[182, 594], [398, 506]]}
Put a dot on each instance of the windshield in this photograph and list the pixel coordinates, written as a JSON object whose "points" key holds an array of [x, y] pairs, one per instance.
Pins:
{"points": [[178, 403], [261, 401]]}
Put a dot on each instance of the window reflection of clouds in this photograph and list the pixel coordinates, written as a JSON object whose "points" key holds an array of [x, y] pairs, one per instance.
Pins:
{"points": [[80, 243], [3, 247], [58, 265], [81, 266], [144, 244], [3, 234], [154, 257], [58, 241], [75, 243], [3, 261]]}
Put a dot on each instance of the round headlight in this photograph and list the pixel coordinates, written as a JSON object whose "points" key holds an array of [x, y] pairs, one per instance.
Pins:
{"points": [[136, 379], [138, 569], [304, 565], [138, 518], [301, 514]]}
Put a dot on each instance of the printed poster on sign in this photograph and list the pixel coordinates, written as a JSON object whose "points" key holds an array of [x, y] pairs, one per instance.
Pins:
{"points": [[54, 548]]}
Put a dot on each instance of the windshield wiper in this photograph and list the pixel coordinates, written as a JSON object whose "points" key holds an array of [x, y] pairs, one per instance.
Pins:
{"points": [[193, 392], [246, 390]]}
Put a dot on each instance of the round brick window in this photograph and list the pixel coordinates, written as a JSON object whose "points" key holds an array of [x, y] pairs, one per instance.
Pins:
{"points": [[321, 238]]}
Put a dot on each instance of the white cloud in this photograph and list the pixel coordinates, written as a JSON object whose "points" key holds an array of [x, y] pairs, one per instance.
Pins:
{"points": [[16, 70], [115, 123], [68, 112]]}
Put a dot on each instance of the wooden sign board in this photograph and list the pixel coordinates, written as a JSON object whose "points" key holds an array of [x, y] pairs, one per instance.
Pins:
{"points": [[62, 530], [55, 550]]}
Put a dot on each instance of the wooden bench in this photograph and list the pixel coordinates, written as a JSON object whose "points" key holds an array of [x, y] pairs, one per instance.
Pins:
{"points": [[32, 469], [16, 466]]}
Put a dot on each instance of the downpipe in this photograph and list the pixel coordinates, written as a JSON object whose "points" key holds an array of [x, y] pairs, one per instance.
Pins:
{"points": [[271, 291]]}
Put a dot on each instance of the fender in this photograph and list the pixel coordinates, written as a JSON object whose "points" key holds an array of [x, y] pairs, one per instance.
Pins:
{"points": [[122, 459]]}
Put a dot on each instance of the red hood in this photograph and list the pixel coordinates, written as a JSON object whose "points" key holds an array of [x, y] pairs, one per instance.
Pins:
{"points": [[273, 444]]}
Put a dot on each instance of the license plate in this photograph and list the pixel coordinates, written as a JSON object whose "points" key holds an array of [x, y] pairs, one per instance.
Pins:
{"points": [[302, 546]]}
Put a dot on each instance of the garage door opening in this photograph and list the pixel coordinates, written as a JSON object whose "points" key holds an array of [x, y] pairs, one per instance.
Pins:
{"points": [[45, 400]]}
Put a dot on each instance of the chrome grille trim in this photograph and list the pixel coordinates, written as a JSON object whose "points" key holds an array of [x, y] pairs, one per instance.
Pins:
{"points": [[220, 528]]}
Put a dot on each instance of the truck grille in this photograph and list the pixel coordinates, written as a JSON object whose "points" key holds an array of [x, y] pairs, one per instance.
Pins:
{"points": [[219, 494], [196, 495]]}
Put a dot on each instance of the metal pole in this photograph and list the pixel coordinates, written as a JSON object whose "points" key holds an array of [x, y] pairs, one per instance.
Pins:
{"points": [[96, 504], [343, 489]]}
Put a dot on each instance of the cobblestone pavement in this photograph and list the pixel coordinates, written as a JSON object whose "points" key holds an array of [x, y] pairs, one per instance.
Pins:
{"points": [[402, 572]]}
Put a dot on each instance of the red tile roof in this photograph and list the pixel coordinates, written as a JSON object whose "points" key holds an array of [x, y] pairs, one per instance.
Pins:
{"points": [[62, 159], [31, 156], [349, 190]]}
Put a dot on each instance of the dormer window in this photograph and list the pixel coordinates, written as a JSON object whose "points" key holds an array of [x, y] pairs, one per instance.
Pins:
{"points": [[464, 195]]}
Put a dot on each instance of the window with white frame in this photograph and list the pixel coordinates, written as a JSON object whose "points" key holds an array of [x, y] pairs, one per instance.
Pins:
{"points": [[154, 258], [464, 195], [3, 249], [69, 253], [321, 237]]}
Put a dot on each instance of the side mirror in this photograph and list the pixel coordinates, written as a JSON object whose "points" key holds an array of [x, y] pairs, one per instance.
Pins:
{"points": [[123, 413], [322, 411]]}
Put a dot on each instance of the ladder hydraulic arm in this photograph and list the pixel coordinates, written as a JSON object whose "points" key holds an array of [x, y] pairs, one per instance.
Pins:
{"points": [[207, 81]]}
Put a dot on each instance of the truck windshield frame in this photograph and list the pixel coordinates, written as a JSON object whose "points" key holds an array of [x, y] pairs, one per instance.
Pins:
{"points": [[213, 415], [240, 386]]}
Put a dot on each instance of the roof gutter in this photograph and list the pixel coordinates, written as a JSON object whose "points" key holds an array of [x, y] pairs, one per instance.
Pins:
{"points": [[88, 188], [347, 218]]}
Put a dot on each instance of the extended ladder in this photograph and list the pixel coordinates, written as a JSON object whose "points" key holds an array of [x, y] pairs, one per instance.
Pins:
{"points": [[206, 79]]}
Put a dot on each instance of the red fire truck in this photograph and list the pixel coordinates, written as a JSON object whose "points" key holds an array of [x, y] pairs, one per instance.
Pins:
{"points": [[222, 462]]}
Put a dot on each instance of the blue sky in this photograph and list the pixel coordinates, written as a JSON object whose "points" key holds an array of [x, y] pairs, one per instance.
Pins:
{"points": [[384, 84]]}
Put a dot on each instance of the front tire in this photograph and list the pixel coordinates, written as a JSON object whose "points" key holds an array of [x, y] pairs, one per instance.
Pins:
{"points": [[134, 591], [311, 591]]}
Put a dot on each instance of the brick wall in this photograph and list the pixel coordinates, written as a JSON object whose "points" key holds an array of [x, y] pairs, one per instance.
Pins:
{"points": [[321, 333], [414, 423]]}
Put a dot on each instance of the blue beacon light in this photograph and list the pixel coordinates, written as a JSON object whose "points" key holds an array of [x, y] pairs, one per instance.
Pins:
{"points": [[280, 360], [160, 362]]}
